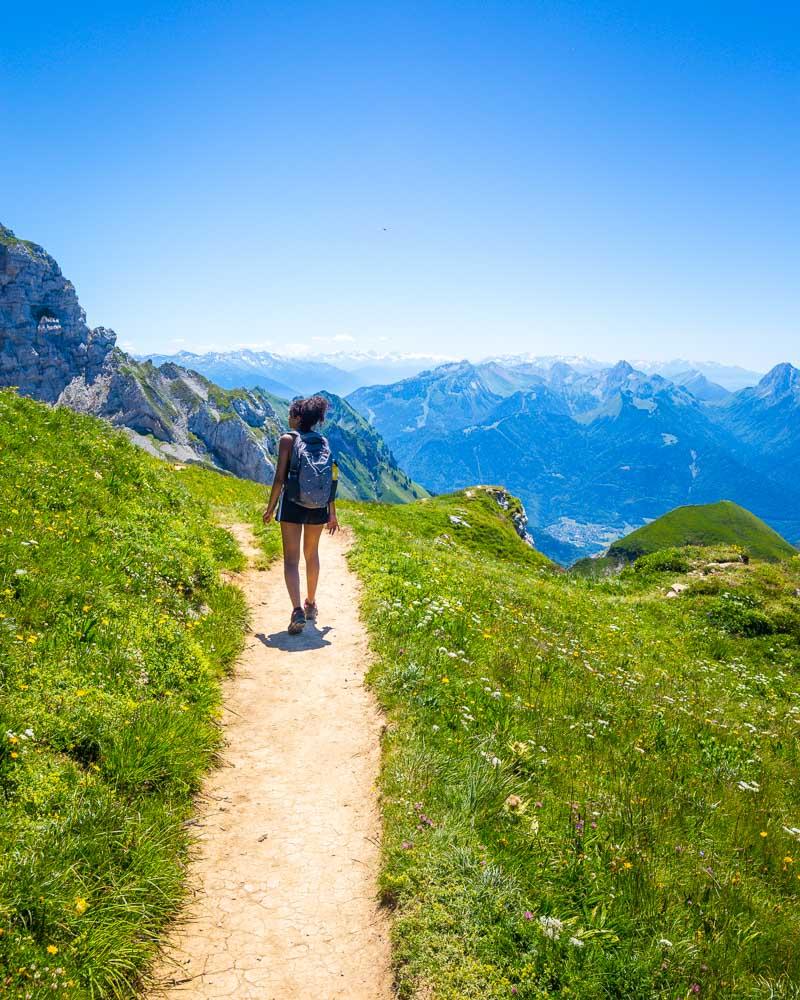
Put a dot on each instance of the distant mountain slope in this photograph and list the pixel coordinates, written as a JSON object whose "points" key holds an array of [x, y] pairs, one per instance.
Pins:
{"points": [[701, 388], [766, 419], [447, 397], [705, 524], [368, 469]]}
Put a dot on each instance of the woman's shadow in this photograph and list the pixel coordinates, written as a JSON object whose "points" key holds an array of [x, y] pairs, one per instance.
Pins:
{"points": [[310, 638]]}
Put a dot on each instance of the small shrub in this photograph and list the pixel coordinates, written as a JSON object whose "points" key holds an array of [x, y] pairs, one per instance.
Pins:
{"points": [[665, 561], [738, 614]]}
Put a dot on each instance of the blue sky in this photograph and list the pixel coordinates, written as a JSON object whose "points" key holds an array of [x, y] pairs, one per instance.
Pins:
{"points": [[617, 180]]}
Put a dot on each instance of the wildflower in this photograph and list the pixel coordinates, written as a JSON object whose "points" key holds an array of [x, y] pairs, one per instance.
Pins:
{"points": [[515, 804], [694, 988], [52, 949], [551, 927], [576, 942], [445, 680], [527, 915], [763, 833], [81, 906], [788, 860]]}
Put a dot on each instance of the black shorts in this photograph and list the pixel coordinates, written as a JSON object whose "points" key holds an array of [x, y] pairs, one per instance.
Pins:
{"points": [[293, 513]]}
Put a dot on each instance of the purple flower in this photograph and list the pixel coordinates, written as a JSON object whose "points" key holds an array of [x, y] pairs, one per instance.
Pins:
{"points": [[528, 915], [694, 988]]}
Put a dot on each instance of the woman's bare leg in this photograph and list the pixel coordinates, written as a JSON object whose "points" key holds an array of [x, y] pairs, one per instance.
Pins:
{"points": [[311, 537], [291, 534]]}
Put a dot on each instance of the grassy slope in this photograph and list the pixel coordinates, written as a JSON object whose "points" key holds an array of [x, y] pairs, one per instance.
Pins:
{"points": [[114, 632], [586, 786], [705, 524]]}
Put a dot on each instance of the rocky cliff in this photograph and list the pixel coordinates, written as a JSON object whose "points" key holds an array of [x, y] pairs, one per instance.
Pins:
{"points": [[48, 352]]}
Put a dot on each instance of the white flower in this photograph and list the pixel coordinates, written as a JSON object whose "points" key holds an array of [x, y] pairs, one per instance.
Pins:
{"points": [[29, 733], [552, 927], [576, 942]]}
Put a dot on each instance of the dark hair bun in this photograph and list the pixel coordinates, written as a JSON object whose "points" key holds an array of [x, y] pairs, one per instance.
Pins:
{"points": [[309, 411]]}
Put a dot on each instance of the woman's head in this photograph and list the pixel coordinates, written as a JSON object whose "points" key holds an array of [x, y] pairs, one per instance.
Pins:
{"points": [[307, 413]]}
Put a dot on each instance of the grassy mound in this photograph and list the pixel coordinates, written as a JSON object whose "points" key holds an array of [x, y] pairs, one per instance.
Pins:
{"points": [[114, 632], [589, 789], [704, 524]]}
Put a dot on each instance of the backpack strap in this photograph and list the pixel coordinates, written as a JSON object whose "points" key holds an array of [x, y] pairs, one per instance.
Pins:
{"points": [[293, 464]]}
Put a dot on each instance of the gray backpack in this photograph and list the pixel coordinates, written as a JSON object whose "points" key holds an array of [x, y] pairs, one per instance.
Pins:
{"points": [[310, 477]]}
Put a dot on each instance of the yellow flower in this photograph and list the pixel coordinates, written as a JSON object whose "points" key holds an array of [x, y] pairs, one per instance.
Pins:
{"points": [[52, 949], [445, 680], [87, 607], [788, 860], [764, 833], [627, 864], [80, 692], [81, 906], [14, 753]]}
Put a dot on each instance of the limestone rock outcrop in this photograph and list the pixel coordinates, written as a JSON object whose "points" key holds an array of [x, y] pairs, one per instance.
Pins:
{"points": [[48, 352]]}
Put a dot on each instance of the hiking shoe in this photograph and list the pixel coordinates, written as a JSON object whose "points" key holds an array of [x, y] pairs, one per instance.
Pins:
{"points": [[311, 611], [297, 622]]}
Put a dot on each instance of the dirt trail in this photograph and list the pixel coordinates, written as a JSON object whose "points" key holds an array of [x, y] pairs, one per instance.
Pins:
{"points": [[283, 901]]}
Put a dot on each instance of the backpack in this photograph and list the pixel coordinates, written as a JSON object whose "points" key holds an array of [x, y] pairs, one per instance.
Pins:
{"points": [[310, 478]]}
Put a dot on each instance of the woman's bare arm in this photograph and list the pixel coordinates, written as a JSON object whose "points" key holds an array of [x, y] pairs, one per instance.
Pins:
{"points": [[333, 521], [281, 471]]}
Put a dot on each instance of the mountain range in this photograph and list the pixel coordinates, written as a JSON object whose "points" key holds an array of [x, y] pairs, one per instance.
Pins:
{"points": [[345, 371], [595, 453], [339, 372], [49, 353]]}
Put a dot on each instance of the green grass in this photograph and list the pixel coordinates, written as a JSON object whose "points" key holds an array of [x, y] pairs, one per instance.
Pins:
{"points": [[115, 630], [705, 524], [588, 789]]}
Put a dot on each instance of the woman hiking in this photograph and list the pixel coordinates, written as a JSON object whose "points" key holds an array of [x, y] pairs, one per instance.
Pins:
{"points": [[304, 493]]}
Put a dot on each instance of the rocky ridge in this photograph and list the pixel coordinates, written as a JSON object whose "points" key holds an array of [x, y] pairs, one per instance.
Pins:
{"points": [[49, 353]]}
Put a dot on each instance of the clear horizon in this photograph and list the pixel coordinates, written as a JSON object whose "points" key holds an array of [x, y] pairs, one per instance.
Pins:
{"points": [[458, 179]]}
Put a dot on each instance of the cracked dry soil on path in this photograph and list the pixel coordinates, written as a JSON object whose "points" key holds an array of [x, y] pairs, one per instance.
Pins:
{"points": [[283, 878]]}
